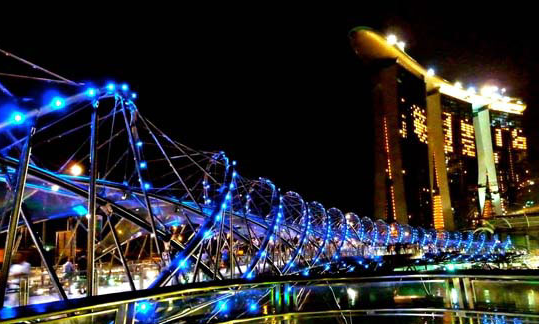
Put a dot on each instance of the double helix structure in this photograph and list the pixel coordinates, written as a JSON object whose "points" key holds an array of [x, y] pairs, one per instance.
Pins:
{"points": [[93, 157], [87, 156]]}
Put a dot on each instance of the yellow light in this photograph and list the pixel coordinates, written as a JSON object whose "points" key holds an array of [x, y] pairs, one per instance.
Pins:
{"points": [[458, 85], [75, 170], [392, 39], [448, 132], [420, 124], [401, 45], [430, 72], [498, 137], [438, 214], [468, 139], [519, 142]]}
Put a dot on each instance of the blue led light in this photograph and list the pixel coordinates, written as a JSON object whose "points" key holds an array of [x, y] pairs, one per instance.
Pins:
{"points": [[207, 234], [222, 306], [250, 275], [17, 118], [139, 144], [183, 264], [144, 307], [80, 210], [143, 165], [306, 273], [58, 103], [91, 92], [125, 87], [147, 185], [253, 307], [111, 86], [134, 95]]}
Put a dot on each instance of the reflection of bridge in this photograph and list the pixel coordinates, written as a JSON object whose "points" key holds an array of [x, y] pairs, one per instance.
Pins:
{"points": [[470, 296], [145, 191]]}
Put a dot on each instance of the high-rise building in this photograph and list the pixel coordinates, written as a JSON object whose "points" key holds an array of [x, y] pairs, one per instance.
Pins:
{"points": [[510, 155], [438, 147], [402, 156]]}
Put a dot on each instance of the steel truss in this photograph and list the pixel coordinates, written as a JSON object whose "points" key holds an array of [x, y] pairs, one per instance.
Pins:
{"points": [[200, 218]]}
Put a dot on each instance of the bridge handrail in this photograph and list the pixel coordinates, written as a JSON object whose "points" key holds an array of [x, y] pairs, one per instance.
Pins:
{"points": [[113, 302]]}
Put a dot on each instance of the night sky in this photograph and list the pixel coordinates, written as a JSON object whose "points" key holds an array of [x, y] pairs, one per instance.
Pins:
{"points": [[279, 87]]}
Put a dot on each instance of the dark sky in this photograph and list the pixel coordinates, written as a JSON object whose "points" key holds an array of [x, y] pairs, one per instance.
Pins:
{"points": [[277, 86]]}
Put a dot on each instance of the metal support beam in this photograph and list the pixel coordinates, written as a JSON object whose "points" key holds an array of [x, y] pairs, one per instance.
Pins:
{"points": [[136, 156], [122, 257], [91, 282], [24, 161], [39, 246]]}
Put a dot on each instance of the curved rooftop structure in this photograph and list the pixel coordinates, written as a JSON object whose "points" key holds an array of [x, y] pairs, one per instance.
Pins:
{"points": [[370, 45]]}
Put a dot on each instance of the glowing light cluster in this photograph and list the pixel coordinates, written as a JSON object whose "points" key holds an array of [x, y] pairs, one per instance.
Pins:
{"points": [[519, 142], [498, 137], [420, 123], [392, 190], [468, 138], [447, 124], [438, 212], [403, 131], [394, 41]]}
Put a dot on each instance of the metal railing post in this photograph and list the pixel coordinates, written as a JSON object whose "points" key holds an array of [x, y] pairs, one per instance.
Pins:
{"points": [[24, 291], [91, 282], [24, 161]]}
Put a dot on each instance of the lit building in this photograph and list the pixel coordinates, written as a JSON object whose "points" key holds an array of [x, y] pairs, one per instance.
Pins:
{"points": [[402, 178], [437, 145], [510, 155]]}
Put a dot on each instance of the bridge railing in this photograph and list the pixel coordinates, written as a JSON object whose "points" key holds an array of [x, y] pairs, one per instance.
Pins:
{"points": [[464, 294]]}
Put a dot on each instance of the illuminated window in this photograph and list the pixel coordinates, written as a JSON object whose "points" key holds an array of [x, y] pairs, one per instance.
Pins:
{"points": [[519, 142], [496, 157], [388, 170], [403, 131], [420, 123], [437, 211], [498, 136], [448, 132], [468, 138]]}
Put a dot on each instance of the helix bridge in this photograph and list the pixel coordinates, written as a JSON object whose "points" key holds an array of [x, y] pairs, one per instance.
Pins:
{"points": [[88, 156]]}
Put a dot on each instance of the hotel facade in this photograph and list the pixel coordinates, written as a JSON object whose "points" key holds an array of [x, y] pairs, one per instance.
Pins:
{"points": [[445, 156]]}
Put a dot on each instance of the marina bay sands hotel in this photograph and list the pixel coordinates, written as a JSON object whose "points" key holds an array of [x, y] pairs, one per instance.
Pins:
{"points": [[445, 156]]}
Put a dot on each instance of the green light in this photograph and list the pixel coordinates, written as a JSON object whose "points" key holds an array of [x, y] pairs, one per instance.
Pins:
{"points": [[450, 267]]}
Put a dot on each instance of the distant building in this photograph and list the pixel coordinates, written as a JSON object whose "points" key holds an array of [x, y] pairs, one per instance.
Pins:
{"points": [[438, 146]]}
